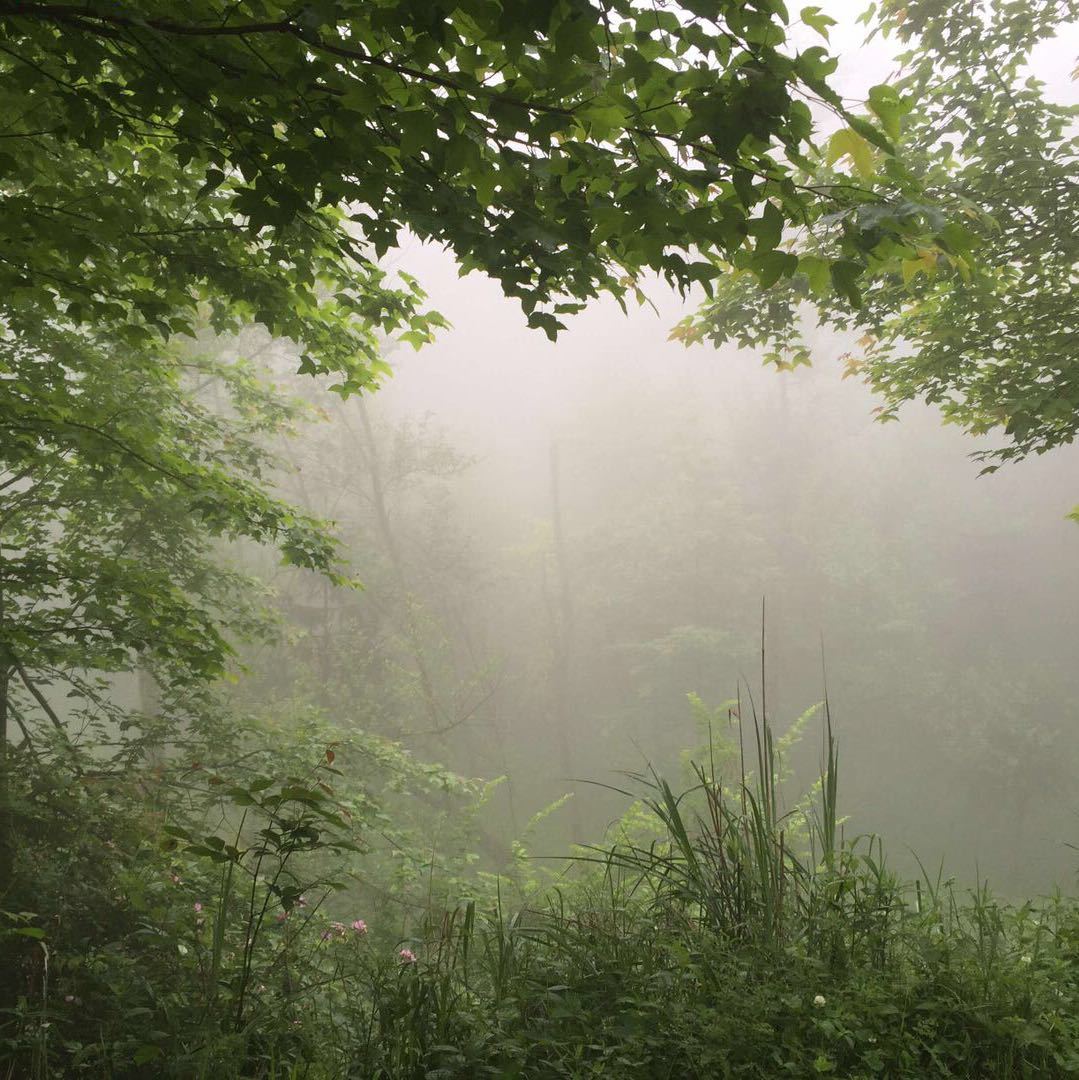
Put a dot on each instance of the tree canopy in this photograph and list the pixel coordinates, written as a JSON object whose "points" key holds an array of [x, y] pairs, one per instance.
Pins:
{"points": [[984, 322], [256, 159]]}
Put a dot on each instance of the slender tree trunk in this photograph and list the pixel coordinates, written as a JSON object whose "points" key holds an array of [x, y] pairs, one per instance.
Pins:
{"points": [[8, 955], [397, 565], [561, 668], [7, 832]]}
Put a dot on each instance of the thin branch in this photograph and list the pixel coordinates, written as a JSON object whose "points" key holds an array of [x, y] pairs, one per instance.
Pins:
{"points": [[17, 717], [40, 698]]}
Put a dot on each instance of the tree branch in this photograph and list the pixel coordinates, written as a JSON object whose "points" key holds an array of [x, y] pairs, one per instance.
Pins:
{"points": [[40, 698]]}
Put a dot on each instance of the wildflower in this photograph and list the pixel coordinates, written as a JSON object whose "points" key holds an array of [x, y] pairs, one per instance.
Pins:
{"points": [[820, 1001], [338, 928], [1026, 959], [326, 935], [198, 906], [359, 926], [407, 956], [282, 916], [69, 998], [301, 901]]}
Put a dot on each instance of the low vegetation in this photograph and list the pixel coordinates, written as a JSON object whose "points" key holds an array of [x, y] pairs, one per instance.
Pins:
{"points": [[261, 919]]}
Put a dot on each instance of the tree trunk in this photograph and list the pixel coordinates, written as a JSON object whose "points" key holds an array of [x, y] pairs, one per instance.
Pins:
{"points": [[561, 668], [7, 834], [436, 716], [8, 955]]}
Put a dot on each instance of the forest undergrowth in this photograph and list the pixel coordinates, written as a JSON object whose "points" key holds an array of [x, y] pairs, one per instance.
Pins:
{"points": [[256, 918]]}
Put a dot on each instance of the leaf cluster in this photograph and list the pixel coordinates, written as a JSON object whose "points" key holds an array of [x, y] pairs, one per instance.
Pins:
{"points": [[979, 320], [258, 159]]}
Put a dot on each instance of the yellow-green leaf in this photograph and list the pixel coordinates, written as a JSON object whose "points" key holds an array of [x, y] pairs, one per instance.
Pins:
{"points": [[846, 142]]}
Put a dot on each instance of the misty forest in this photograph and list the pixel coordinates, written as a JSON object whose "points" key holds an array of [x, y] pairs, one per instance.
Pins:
{"points": [[539, 539]]}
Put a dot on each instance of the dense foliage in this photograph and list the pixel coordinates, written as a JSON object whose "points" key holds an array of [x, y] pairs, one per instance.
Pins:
{"points": [[260, 158], [984, 324]]}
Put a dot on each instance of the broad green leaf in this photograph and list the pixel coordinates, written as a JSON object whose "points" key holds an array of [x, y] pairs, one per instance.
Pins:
{"points": [[889, 108], [817, 20], [848, 143], [818, 273]]}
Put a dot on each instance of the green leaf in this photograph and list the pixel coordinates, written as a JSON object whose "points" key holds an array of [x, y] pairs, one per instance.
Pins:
{"points": [[818, 272], [486, 183], [846, 142], [817, 20], [845, 275], [889, 108], [417, 131], [768, 229], [602, 120], [770, 266], [924, 263]]}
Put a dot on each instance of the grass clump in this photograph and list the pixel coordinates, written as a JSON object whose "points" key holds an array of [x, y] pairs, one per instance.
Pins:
{"points": [[745, 941]]}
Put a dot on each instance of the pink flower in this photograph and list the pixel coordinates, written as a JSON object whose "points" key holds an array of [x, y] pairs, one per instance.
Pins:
{"points": [[359, 926], [338, 928], [282, 916], [198, 907], [407, 956], [301, 901]]}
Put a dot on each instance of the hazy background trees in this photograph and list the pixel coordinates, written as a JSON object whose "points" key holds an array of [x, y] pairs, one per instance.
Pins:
{"points": [[559, 544]]}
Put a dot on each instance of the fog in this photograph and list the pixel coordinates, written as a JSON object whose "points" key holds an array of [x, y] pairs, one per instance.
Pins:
{"points": [[560, 542]]}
